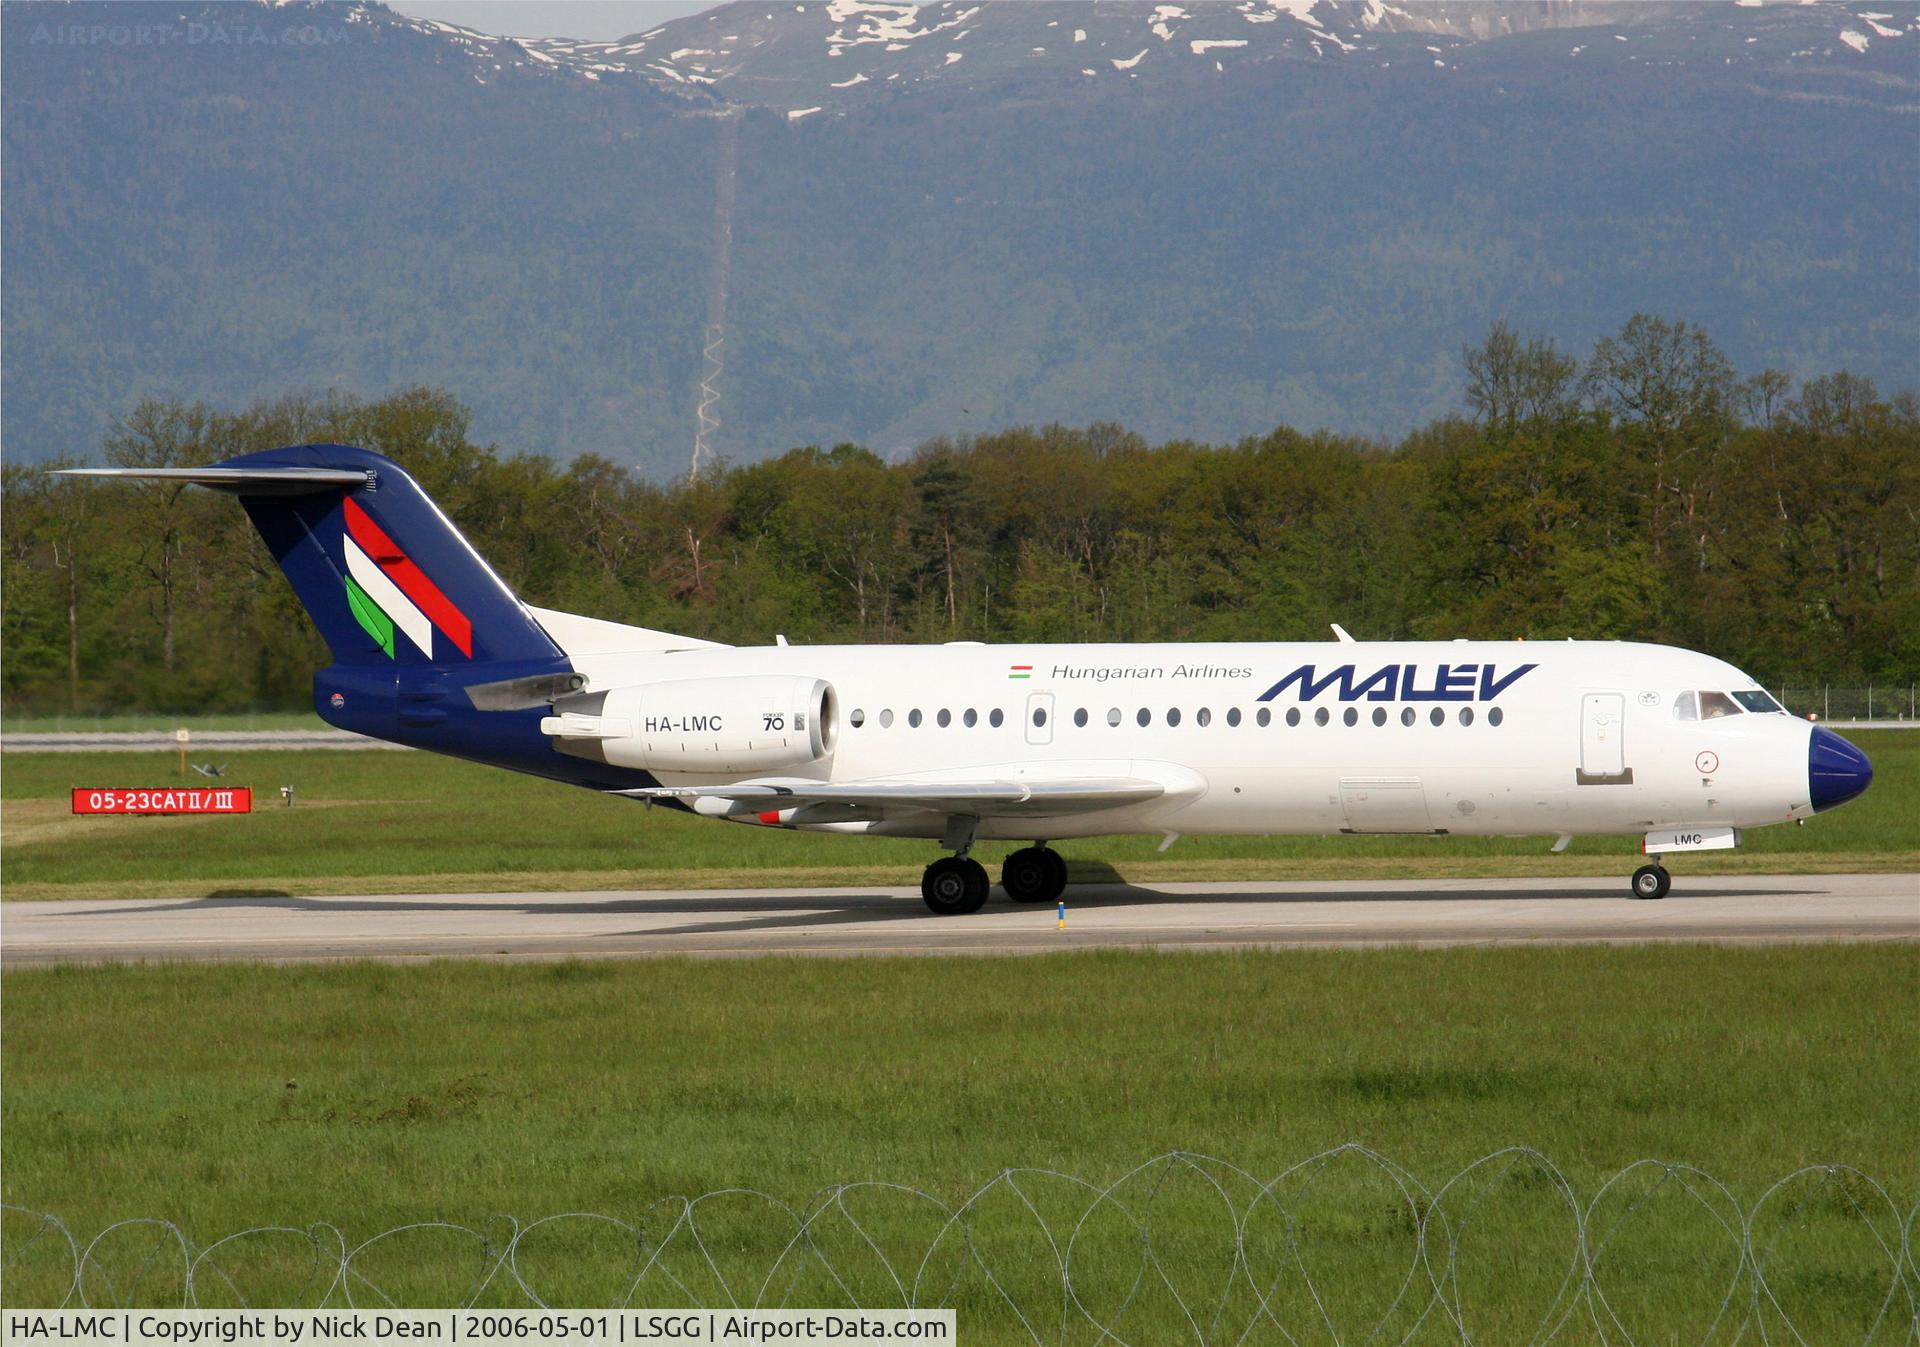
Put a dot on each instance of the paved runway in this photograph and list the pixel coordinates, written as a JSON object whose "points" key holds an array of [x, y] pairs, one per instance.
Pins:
{"points": [[1742, 909], [142, 741]]}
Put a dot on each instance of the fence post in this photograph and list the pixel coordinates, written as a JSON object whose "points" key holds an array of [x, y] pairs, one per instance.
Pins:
{"points": [[1869, 701], [1826, 702]]}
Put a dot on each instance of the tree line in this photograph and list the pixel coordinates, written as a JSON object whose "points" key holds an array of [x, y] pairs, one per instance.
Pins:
{"points": [[1647, 492]]}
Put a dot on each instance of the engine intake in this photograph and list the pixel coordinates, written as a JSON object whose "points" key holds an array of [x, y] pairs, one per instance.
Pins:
{"points": [[717, 725]]}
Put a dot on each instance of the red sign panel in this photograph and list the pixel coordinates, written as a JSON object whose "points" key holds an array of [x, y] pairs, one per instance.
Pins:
{"points": [[163, 799]]}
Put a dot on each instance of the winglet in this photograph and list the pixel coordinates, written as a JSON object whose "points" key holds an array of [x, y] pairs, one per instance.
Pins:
{"points": [[1340, 634]]}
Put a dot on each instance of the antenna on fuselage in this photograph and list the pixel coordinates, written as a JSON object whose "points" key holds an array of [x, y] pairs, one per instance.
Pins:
{"points": [[1340, 634]]}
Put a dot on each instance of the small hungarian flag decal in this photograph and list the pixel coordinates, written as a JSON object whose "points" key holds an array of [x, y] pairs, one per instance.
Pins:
{"points": [[387, 592], [1020, 671]]}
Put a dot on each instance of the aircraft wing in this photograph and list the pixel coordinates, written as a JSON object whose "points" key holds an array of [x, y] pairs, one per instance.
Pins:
{"points": [[1024, 799]]}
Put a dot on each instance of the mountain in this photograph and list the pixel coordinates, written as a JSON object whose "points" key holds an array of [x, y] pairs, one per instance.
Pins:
{"points": [[802, 58], [882, 223]]}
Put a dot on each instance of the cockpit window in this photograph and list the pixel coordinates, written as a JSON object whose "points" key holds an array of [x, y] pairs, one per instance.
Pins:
{"points": [[1686, 706], [1758, 702], [1714, 705]]}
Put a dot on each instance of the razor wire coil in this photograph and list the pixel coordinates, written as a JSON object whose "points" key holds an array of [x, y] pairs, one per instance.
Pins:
{"points": [[1343, 1247]]}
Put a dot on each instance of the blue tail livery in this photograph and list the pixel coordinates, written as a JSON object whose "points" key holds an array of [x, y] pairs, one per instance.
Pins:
{"points": [[423, 634]]}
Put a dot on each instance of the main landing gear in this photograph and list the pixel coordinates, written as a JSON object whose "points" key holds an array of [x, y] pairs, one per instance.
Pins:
{"points": [[1651, 881], [1035, 874], [956, 885]]}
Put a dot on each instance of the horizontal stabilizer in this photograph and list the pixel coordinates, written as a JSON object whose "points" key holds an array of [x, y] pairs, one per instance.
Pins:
{"points": [[1026, 799], [243, 481]]}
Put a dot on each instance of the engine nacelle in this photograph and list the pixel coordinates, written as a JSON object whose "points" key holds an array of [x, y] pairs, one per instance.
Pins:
{"points": [[717, 725]]}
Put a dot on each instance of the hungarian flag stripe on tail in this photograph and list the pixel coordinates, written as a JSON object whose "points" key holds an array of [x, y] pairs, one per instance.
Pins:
{"points": [[367, 613], [421, 593], [385, 595]]}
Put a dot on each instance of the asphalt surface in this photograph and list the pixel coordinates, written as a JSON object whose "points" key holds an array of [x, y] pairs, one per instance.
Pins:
{"points": [[140, 741], [267, 926]]}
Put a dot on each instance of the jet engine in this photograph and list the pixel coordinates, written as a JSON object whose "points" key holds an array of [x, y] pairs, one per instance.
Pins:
{"points": [[707, 725]]}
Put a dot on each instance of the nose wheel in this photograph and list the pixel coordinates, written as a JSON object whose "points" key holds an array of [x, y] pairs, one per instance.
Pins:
{"points": [[1034, 875], [954, 886], [1651, 881]]}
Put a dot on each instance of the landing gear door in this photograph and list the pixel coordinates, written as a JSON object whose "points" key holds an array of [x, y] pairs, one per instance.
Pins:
{"points": [[1385, 804], [1040, 718], [1603, 747]]}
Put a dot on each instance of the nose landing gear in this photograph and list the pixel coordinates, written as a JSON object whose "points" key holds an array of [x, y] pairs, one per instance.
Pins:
{"points": [[1651, 881]]}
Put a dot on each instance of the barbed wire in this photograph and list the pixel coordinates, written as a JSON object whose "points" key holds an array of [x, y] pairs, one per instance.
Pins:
{"points": [[1344, 1247]]}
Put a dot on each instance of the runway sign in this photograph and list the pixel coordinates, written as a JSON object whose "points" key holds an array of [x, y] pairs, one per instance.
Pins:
{"points": [[162, 800]]}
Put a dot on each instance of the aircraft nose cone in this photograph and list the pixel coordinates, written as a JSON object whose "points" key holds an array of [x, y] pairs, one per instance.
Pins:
{"points": [[1836, 770]]}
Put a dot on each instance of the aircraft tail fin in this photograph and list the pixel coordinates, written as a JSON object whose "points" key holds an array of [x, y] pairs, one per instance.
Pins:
{"points": [[385, 576]]}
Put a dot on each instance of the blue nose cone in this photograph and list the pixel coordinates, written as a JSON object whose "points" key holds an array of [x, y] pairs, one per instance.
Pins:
{"points": [[1836, 770]]}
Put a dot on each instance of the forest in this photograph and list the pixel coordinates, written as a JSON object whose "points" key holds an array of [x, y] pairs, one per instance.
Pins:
{"points": [[1645, 491]]}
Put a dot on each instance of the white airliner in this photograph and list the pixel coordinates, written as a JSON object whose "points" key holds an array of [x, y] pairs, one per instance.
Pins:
{"points": [[965, 743]]}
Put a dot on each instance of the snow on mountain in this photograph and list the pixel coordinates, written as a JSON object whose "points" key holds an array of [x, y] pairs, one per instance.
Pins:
{"points": [[794, 54], [838, 54]]}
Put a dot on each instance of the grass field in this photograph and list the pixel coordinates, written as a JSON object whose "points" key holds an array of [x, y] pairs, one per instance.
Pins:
{"points": [[389, 822], [371, 1096]]}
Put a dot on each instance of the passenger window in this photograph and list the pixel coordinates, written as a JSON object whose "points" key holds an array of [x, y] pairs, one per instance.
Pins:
{"points": [[1321, 717], [972, 717], [1113, 715], [1080, 717], [1145, 717], [1686, 706], [1379, 715], [1716, 705], [1438, 717], [913, 718], [1406, 716], [1495, 715], [945, 717], [886, 719], [858, 718], [1203, 717], [1233, 716], [1466, 715], [1039, 716], [1352, 717], [996, 718], [1173, 716]]}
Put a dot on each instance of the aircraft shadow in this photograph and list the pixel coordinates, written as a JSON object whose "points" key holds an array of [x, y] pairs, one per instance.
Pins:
{"points": [[735, 914], [1104, 897]]}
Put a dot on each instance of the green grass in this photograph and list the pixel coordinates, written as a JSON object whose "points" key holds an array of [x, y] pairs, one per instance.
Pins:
{"points": [[382, 822], [371, 1096], [133, 722]]}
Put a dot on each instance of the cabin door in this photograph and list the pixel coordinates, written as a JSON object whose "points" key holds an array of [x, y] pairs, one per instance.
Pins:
{"points": [[1603, 746]]}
